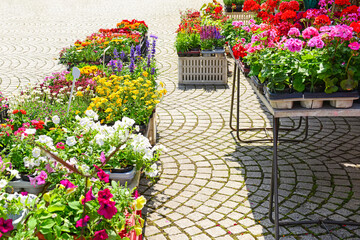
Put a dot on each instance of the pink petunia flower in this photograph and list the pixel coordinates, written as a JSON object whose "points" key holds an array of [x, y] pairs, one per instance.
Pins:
{"points": [[101, 235], [107, 209], [104, 195], [83, 221], [89, 196], [6, 225], [102, 157], [67, 184], [41, 178]]}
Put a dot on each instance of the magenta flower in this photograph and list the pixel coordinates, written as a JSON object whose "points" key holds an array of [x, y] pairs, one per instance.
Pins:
{"points": [[354, 46], [294, 32], [49, 169], [24, 193], [310, 32], [294, 45], [60, 145], [82, 222], [316, 42], [32, 181], [102, 175], [341, 31], [102, 157], [41, 178], [107, 209], [6, 225], [67, 184], [104, 195], [100, 235], [89, 196]]}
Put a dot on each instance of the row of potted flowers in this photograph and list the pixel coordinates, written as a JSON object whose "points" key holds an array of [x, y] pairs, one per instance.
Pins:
{"points": [[313, 52], [201, 31], [70, 155]]}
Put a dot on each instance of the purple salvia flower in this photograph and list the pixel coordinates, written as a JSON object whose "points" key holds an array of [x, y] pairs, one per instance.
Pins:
{"points": [[119, 65], [138, 50], [116, 54], [153, 49], [148, 61], [152, 71], [132, 52], [122, 55], [132, 65]]}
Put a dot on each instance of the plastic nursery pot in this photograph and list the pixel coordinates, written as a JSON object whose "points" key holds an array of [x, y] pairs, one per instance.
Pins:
{"points": [[122, 175], [42, 237]]}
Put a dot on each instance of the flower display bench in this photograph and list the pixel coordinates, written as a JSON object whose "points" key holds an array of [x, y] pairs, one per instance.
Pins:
{"points": [[203, 70], [241, 16]]}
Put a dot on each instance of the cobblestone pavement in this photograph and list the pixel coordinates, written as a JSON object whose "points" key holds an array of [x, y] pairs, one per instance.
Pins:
{"points": [[210, 186]]}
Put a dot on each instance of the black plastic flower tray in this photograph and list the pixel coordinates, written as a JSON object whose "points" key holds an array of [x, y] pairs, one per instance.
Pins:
{"points": [[282, 96], [352, 94]]}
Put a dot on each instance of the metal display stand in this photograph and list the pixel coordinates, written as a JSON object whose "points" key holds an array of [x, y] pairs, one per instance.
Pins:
{"points": [[297, 111], [238, 129]]}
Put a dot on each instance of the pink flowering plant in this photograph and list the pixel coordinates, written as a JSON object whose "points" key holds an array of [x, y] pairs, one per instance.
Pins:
{"points": [[67, 212]]}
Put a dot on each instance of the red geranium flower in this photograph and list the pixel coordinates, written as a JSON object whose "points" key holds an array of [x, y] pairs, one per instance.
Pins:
{"points": [[239, 51], [15, 111], [288, 15], [342, 2], [218, 9], [23, 112], [322, 20], [355, 26], [251, 5], [349, 10]]}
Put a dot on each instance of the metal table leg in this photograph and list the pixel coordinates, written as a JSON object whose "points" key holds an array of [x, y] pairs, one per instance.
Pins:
{"points": [[236, 77], [274, 196]]}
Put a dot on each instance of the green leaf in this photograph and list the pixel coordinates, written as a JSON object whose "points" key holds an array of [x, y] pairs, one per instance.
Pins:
{"points": [[298, 83], [32, 223], [47, 224], [56, 207], [75, 205]]}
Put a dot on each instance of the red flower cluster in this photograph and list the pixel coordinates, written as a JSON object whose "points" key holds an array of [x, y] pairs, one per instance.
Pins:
{"points": [[288, 15], [355, 26], [342, 2], [251, 5], [349, 10], [239, 51], [266, 17], [21, 111], [293, 5], [37, 124], [218, 9], [322, 20]]}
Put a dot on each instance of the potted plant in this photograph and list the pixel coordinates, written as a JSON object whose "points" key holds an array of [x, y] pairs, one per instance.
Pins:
{"points": [[79, 209], [182, 44]]}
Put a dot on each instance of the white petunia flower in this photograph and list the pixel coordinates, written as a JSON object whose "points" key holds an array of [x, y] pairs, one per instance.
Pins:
{"points": [[71, 141], [30, 131], [36, 152], [3, 183], [55, 119]]}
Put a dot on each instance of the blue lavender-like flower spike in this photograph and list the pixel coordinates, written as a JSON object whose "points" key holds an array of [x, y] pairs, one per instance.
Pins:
{"points": [[119, 65], [153, 36], [153, 49], [148, 60], [132, 65], [152, 71], [112, 64], [147, 44], [116, 54], [132, 52], [122, 55], [138, 50]]}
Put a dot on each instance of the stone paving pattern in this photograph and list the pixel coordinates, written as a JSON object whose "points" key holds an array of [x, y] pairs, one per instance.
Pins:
{"points": [[211, 187]]}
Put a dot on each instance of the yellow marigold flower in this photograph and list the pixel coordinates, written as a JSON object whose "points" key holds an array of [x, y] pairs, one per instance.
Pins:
{"points": [[162, 84], [79, 93], [133, 96], [124, 109], [77, 112], [109, 110], [149, 107]]}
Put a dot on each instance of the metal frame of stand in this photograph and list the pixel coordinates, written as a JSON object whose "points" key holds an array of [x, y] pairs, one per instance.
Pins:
{"points": [[326, 111], [238, 129], [274, 195]]}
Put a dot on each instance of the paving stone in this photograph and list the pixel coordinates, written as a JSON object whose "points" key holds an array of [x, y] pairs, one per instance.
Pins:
{"points": [[206, 174]]}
